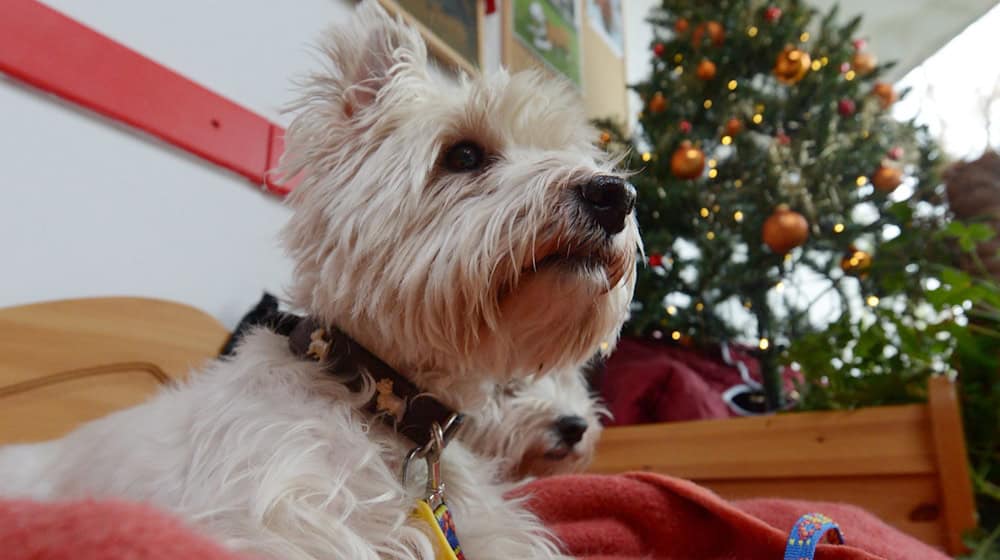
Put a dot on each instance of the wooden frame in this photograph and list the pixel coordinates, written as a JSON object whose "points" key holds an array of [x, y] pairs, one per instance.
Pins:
{"points": [[437, 46], [906, 464]]}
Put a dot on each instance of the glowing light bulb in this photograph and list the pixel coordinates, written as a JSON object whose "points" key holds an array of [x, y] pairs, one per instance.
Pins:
{"points": [[764, 344], [738, 216], [872, 301], [733, 84], [676, 335], [838, 228], [752, 32], [646, 156]]}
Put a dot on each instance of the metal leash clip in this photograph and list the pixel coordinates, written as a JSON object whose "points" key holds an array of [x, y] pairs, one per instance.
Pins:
{"points": [[431, 452]]}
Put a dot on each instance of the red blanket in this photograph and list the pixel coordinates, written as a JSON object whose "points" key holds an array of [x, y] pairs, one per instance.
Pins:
{"points": [[642, 515], [628, 517]]}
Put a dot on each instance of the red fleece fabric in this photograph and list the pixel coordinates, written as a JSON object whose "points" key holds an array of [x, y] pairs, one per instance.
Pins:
{"points": [[91, 530], [649, 516], [633, 516]]}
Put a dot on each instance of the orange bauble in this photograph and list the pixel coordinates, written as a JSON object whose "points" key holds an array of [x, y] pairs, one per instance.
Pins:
{"points": [[658, 103], [784, 230], [863, 63], [791, 65], [681, 26], [886, 95], [705, 70], [687, 162], [886, 179], [716, 34], [734, 126]]}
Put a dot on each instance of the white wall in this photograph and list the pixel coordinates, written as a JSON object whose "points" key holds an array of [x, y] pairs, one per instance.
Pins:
{"points": [[91, 208]]}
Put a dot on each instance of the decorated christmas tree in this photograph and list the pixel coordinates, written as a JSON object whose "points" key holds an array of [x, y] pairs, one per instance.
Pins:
{"points": [[782, 207]]}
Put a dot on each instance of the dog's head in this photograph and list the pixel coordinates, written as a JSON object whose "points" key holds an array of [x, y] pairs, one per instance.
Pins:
{"points": [[539, 426], [454, 227]]}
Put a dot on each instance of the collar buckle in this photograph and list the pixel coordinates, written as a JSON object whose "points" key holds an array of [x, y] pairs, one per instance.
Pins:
{"points": [[431, 452]]}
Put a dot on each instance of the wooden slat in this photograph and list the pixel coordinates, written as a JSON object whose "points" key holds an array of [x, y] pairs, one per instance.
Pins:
{"points": [[883, 440], [910, 503], [63, 363], [952, 462], [42, 339], [52, 407]]}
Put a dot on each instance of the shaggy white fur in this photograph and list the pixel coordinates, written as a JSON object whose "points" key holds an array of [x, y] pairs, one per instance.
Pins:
{"points": [[520, 426], [461, 272]]}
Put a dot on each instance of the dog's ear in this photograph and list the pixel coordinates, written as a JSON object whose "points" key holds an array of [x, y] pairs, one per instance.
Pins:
{"points": [[372, 53]]}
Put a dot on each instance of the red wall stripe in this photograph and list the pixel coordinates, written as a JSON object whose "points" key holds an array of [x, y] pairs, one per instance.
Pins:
{"points": [[55, 53]]}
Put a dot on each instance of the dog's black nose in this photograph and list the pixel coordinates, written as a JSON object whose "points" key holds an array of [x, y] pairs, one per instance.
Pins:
{"points": [[571, 429], [609, 200]]}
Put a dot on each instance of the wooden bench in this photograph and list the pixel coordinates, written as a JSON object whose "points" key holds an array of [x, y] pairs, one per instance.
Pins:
{"points": [[906, 464]]}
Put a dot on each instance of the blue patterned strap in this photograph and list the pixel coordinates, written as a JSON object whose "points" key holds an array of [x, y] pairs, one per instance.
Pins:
{"points": [[808, 532]]}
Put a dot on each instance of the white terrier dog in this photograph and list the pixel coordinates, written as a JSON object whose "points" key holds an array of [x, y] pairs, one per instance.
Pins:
{"points": [[538, 427], [465, 234]]}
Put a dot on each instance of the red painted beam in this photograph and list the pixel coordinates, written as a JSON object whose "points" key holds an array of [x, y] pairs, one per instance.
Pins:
{"points": [[55, 53]]}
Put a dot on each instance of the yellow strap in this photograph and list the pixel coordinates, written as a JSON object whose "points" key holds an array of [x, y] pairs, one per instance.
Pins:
{"points": [[424, 513]]}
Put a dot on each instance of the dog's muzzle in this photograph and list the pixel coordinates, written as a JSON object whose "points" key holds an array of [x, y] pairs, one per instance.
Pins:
{"points": [[609, 200]]}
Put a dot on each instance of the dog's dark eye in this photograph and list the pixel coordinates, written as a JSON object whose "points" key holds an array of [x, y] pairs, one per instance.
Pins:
{"points": [[464, 156]]}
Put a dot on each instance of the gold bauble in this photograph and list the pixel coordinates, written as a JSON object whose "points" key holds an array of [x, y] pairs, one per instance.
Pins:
{"points": [[784, 230], [886, 95], [856, 262], [605, 137], [658, 103], [705, 70], [716, 34], [791, 65], [687, 161], [863, 63], [886, 178]]}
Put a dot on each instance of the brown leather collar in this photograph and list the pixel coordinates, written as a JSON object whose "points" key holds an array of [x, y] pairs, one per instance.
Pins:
{"points": [[397, 400]]}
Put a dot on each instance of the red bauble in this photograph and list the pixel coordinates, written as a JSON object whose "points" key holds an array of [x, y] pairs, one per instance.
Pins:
{"points": [[846, 107], [685, 127], [659, 49], [655, 259], [783, 139], [772, 13], [844, 67], [896, 153], [681, 25], [859, 44]]}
